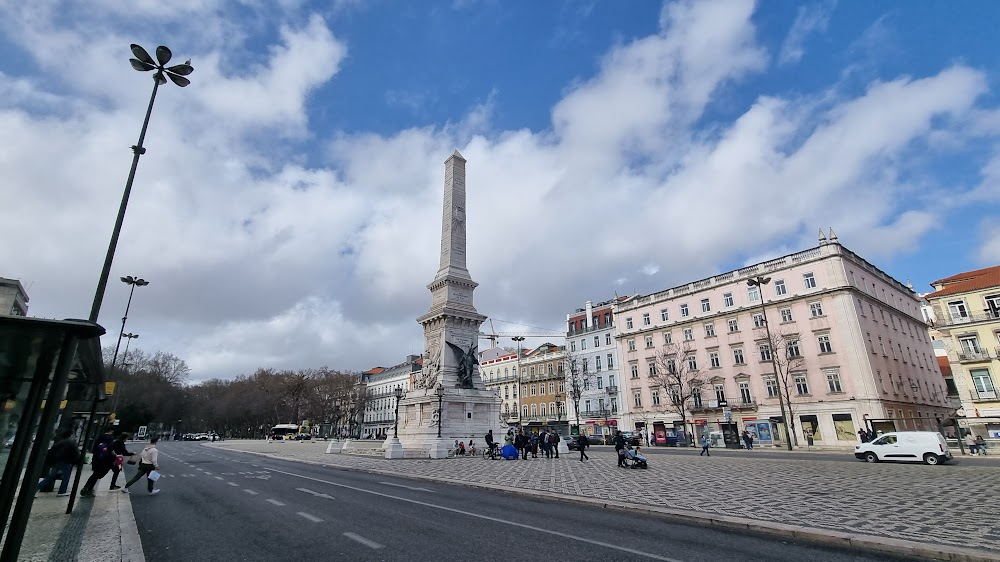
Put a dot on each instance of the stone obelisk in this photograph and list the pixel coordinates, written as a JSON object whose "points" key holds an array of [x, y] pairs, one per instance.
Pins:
{"points": [[449, 393]]}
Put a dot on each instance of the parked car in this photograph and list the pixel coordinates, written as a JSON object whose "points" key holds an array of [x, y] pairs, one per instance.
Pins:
{"points": [[596, 439], [906, 446], [632, 438], [303, 437]]}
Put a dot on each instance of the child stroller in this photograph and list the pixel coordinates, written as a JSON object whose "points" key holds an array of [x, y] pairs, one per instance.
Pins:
{"points": [[633, 459]]}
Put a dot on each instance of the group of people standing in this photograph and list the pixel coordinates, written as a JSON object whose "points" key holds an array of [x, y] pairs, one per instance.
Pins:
{"points": [[530, 442]]}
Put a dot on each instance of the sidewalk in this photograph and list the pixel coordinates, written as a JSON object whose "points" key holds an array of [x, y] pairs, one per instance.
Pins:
{"points": [[100, 529], [900, 508]]}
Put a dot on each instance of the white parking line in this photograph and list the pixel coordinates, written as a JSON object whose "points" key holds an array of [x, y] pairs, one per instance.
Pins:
{"points": [[312, 518], [251, 492], [369, 543], [275, 502], [219, 478], [232, 483]]}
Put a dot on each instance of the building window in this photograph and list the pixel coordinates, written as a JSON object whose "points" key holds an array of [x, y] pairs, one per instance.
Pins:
{"points": [[572, 346], [533, 390], [656, 397], [809, 280], [597, 342], [671, 366], [692, 363], [815, 309], [753, 294], [786, 314], [801, 385], [552, 387], [705, 306], [745, 392], [983, 383], [720, 392], [611, 380], [713, 359], [779, 287], [792, 347], [833, 381], [637, 400], [664, 315], [631, 345], [688, 334], [957, 310], [651, 368], [583, 344], [668, 338], [649, 342], [970, 346], [635, 371], [600, 383], [541, 409], [611, 361], [607, 318], [734, 325], [587, 406], [772, 386], [506, 392], [597, 365], [586, 383], [758, 320], [824, 344], [738, 356], [684, 310], [696, 397], [607, 339], [765, 351], [709, 330], [628, 323], [534, 409], [645, 319], [675, 395], [727, 300]]}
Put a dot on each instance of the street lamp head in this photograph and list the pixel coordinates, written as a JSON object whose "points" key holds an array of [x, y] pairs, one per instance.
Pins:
{"points": [[144, 63], [398, 392], [439, 391], [758, 281], [130, 335]]}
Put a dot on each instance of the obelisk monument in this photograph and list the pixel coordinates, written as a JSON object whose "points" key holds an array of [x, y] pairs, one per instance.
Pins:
{"points": [[448, 396]]}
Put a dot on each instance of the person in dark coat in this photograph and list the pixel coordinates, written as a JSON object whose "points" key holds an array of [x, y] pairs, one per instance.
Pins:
{"points": [[61, 457], [582, 444], [620, 448], [119, 448], [104, 459]]}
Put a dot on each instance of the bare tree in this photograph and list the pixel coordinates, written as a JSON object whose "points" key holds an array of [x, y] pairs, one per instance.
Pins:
{"points": [[786, 358], [577, 381], [675, 377]]}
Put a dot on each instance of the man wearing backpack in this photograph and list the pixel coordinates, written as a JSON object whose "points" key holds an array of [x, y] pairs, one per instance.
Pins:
{"points": [[104, 459], [61, 457]]}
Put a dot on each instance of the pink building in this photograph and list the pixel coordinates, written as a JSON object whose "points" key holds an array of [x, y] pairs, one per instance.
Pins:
{"points": [[849, 340]]}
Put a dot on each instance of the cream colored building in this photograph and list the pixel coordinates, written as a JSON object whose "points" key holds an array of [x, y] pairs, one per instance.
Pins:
{"points": [[965, 314], [498, 368]]}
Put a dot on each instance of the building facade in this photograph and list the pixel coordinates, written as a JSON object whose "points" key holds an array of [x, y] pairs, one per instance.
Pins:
{"points": [[964, 311], [13, 298], [590, 341], [380, 405], [855, 349], [543, 388], [499, 367]]}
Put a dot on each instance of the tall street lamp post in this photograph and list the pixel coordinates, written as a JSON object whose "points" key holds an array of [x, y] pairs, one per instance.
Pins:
{"points": [[439, 391], [134, 282], [398, 392], [517, 371], [143, 63], [759, 282]]}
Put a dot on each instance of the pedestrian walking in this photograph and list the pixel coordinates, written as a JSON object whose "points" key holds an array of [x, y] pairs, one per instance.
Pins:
{"points": [[619, 441], [533, 444], [147, 464], [521, 442], [582, 444], [704, 446], [60, 458], [101, 463], [555, 443], [748, 440], [121, 452]]}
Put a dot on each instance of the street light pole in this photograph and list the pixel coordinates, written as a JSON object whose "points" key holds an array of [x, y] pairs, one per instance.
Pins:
{"points": [[395, 429], [517, 371], [143, 63], [440, 394], [759, 282], [134, 282]]}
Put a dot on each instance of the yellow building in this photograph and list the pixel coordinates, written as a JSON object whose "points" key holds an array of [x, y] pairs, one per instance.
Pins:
{"points": [[965, 311]]}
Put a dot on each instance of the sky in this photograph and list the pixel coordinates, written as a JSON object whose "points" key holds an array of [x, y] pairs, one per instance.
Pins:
{"points": [[287, 210]]}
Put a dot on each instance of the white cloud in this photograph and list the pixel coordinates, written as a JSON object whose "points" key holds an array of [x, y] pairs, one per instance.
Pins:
{"points": [[989, 239], [808, 20]]}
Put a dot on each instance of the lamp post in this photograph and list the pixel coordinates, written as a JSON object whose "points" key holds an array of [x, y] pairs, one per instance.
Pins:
{"points": [[759, 282], [439, 391], [143, 63], [134, 282], [517, 371], [395, 429]]}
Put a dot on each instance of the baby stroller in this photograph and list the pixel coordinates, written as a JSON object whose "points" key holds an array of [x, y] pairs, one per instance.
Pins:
{"points": [[633, 459]]}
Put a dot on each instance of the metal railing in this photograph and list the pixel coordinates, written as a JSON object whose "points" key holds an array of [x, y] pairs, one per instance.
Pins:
{"points": [[981, 355], [987, 395], [950, 320]]}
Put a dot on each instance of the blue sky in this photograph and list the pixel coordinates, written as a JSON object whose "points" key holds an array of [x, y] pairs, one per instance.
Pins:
{"points": [[285, 210]]}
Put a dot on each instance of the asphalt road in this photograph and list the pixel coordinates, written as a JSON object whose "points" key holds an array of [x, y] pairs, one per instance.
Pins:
{"points": [[228, 506]]}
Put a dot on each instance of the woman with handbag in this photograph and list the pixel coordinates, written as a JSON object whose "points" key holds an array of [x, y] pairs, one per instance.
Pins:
{"points": [[119, 448], [147, 464]]}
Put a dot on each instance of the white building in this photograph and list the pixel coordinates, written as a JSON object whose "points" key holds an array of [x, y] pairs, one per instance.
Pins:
{"points": [[380, 408], [590, 340]]}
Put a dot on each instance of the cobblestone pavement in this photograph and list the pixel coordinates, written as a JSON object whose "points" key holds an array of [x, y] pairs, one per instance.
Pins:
{"points": [[944, 505]]}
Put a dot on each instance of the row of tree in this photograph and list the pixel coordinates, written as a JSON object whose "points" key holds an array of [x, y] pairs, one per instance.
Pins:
{"points": [[154, 390]]}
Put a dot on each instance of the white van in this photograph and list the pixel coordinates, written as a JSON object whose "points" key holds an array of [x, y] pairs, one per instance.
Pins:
{"points": [[906, 446]]}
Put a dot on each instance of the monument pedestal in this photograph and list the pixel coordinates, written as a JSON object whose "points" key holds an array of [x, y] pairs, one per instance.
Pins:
{"points": [[393, 448], [467, 414], [562, 447]]}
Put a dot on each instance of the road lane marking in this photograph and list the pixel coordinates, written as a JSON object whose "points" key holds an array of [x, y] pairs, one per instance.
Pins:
{"points": [[219, 478], [407, 487], [232, 483], [208, 473], [251, 492], [484, 517], [275, 502], [317, 494], [312, 518], [369, 543]]}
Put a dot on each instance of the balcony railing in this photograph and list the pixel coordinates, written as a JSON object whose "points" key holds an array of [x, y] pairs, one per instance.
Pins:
{"points": [[597, 328], [598, 414], [982, 355], [986, 395], [950, 320], [612, 390]]}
